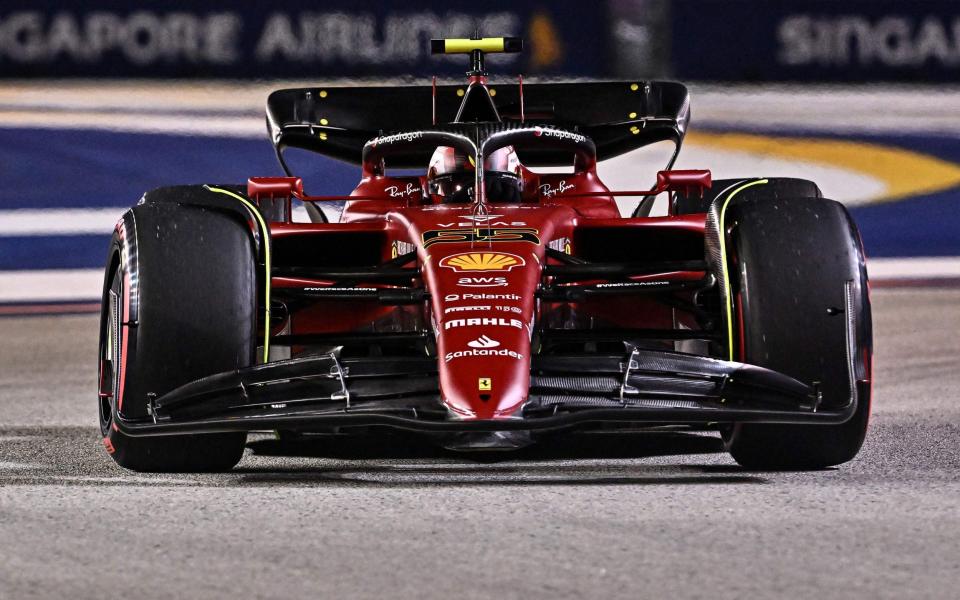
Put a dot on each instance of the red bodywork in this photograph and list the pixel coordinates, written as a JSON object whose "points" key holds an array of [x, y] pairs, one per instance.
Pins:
{"points": [[482, 268]]}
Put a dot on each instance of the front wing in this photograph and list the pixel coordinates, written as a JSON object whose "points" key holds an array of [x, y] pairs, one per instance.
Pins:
{"points": [[643, 387]]}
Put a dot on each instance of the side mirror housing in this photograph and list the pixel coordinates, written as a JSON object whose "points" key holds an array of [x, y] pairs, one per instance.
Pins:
{"points": [[686, 182], [269, 188]]}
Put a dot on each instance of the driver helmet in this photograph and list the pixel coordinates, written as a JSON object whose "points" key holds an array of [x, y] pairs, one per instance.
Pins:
{"points": [[452, 174]]}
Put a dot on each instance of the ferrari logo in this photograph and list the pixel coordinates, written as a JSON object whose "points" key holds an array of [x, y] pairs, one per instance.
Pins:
{"points": [[482, 261], [485, 384]]}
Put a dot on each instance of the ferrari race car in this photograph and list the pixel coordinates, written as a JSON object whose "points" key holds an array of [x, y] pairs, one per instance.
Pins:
{"points": [[482, 287]]}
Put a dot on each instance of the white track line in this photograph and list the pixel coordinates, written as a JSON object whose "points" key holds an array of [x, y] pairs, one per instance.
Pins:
{"points": [[81, 221], [67, 221], [940, 267], [52, 285], [217, 126], [829, 108]]}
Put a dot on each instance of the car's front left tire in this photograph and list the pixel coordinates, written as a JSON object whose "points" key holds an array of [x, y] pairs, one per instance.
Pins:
{"points": [[179, 303]]}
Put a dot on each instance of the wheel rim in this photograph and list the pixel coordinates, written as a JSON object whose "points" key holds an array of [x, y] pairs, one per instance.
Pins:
{"points": [[109, 351]]}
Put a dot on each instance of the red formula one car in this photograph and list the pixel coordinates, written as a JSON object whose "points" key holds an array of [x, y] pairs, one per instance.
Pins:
{"points": [[481, 287]]}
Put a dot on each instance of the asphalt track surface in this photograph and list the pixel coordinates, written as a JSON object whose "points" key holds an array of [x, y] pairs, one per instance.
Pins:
{"points": [[637, 517]]}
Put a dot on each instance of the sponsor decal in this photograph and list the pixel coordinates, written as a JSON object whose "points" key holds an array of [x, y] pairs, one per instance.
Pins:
{"points": [[484, 223], [484, 341], [453, 309], [254, 40], [862, 40], [481, 296], [482, 308], [482, 261], [548, 191], [482, 282], [483, 346], [484, 384], [492, 234], [451, 356], [395, 192], [339, 289], [559, 133], [632, 284], [401, 248], [561, 245], [397, 137], [477, 322]]}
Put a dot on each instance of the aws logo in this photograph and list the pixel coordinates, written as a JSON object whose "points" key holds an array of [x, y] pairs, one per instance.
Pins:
{"points": [[495, 234], [475, 262], [482, 282]]}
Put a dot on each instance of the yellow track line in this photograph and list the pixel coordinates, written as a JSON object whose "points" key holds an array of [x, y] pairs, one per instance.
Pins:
{"points": [[904, 173]]}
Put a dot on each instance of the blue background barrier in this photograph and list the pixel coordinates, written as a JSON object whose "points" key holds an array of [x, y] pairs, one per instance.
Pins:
{"points": [[298, 38], [816, 40]]}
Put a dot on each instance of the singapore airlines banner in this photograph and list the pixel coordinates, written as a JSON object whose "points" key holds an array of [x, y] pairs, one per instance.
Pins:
{"points": [[239, 39], [817, 40]]}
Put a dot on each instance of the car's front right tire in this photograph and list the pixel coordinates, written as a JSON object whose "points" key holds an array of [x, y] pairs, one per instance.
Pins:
{"points": [[795, 282]]}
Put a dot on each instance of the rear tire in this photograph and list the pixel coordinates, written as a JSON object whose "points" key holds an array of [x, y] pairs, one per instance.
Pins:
{"points": [[788, 260], [179, 304]]}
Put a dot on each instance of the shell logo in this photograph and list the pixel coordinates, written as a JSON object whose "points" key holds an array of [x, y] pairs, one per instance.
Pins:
{"points": [[482, 261]]}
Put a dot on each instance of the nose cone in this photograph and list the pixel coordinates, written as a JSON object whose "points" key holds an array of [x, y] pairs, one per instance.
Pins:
{"points": [[483, 307]]}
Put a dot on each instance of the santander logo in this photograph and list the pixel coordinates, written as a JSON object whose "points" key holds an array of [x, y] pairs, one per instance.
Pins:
{"points": [[484, 342]]}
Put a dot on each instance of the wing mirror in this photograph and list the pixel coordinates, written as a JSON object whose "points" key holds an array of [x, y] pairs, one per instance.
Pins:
{"points": [[273, 195], [269, 188], [686, 182]]}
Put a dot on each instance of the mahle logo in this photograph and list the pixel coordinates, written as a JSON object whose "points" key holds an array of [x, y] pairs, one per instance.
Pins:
{"points": [[477, 322], [476, 262]]}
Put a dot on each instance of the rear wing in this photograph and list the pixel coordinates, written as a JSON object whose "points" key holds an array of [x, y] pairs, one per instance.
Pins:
{"points": [[619, 116]]}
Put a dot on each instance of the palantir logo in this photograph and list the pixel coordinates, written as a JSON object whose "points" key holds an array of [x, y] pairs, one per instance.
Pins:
{"points": [[483, 342]]}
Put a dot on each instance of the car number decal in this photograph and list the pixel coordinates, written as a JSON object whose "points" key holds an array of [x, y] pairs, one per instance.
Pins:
{"points": [[498, 234]]}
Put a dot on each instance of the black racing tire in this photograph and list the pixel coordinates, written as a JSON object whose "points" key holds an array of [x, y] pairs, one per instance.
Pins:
{"points": [[776, 187], [179, 303], [790, 262]]}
